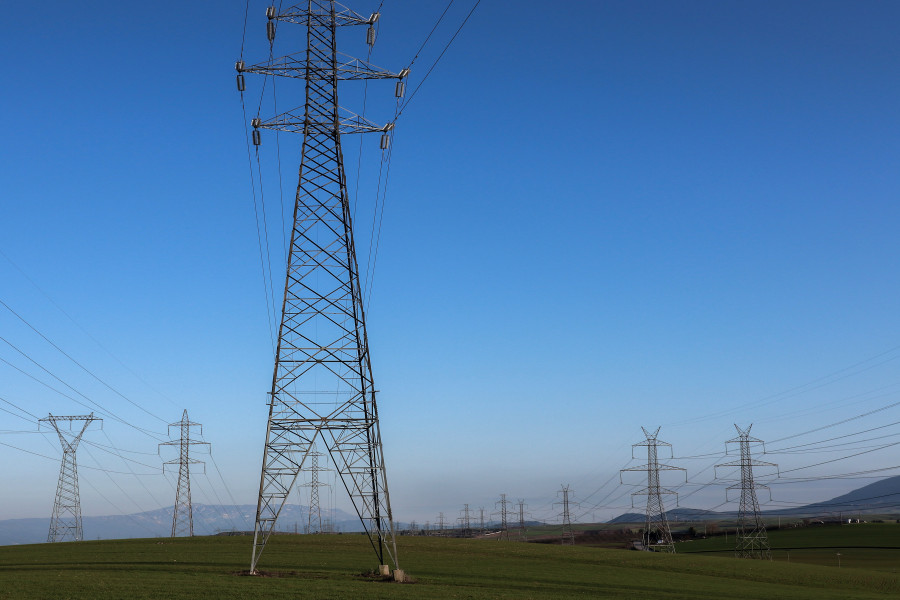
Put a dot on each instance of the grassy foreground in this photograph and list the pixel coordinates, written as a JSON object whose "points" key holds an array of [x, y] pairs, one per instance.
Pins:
{"points": [[325, 567], [873, 546]]}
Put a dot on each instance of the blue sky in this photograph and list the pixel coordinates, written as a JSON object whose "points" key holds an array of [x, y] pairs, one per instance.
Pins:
{"points": [[600, 216]]}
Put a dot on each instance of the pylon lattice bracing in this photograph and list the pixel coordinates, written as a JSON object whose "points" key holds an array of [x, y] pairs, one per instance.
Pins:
{"points": [[183, 513], [65, 524], [568, 534], [752, 541], [657, 535], [322, 386], [314, 512], [504, 516]]}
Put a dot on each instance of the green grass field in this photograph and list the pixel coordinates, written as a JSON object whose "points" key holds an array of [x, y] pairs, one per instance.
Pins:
{"points": [[872, 546], [324, 567]]}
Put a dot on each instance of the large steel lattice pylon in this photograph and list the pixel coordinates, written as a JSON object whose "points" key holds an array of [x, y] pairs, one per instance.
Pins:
{"points": [[183, 513], [65, 524], [752, 541], [322, 389], [657, 535]]}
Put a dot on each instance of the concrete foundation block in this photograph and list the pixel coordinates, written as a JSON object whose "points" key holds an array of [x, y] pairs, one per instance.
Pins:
{"points": [[399, 575], [384, 570]]}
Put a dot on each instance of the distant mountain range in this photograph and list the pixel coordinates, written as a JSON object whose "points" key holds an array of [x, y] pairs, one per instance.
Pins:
{"points": [[879, 497], [208, 520]]}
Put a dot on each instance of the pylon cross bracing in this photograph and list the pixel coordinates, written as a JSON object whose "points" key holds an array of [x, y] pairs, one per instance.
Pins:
{"points": [[657, 535], [568, 534], [504, 516], [751, 540], [183, 512], [322, 386], [314, 512], [65, 524]]}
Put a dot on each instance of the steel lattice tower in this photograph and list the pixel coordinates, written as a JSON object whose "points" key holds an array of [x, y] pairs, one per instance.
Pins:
{"points": [[183, 513], [322, 387], [314, 513], [522, 536], [656, 531], [65, 524], [752, 539], [504, 512], [568, 535], [466, 521]]}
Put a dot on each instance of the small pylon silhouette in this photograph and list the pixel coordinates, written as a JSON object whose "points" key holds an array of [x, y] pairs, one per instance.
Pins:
{"points": [[183, 513], [65, 524], [657, 535], [752, 540]]}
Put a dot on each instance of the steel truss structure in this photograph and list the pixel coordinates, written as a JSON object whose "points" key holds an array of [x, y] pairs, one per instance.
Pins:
{"points": [[322, 388], [314, 510], [752, 539], [657, 535], [183, 513], [65, 524], [568, 534]]}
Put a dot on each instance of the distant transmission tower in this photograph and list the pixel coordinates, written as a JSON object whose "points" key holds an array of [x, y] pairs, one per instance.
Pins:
{"points": [[183, 515], [65, 524], [441, 523], [322, 386], [522, 534], [314, 514], [504, 512], [657, 535], [481, 519], [752, 539], [465, 521], [568, 535]]}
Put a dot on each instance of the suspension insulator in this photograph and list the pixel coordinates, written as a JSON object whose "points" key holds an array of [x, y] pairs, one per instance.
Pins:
{"points": [[270, 12], [385, 141], [400, 89], [240, 82], [270, 31], [256, 138], [370, 36]]}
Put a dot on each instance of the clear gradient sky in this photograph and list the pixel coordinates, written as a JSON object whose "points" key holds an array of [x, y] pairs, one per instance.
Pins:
{"points": [[600, 215]]}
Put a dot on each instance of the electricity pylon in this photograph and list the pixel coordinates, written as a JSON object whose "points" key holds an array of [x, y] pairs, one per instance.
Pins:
{"points": [[522, 534], [752, 540], [504, 512], [183, 513], [657, 535], [568, 535], [322, 386], [314, 514], [65, 524], [465, 520]]}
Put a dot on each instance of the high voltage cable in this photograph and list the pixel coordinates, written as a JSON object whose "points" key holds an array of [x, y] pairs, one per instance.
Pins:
{"points": [[438, 59], [801, 389], [882, 447], [121, 512], [832, 439], [841, 422], [270, 318], [82, 367], [83, 330], [34, 418], [96, 406]]}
